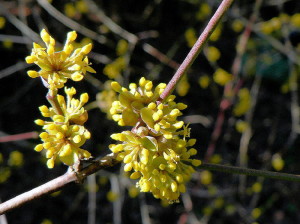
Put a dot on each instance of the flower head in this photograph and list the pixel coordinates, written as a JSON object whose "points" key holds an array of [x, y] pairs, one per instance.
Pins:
{"points": [[156, 150], [58, 66], [65, 134]]}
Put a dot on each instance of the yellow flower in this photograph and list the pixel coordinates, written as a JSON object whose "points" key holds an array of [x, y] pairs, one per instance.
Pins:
{"points": [[70, 10], [2, 22], [237, 25], [190, 37], [105, 98], [213, 54], [16, 158], [203, 12], [244, 102], [183, 86], [122, 47], [204, 81], [216, 34], [64, 135], [57, 67], [222, 77], [277, 162], [295, 20], [114, 69], [81, 6], [256, 213]]}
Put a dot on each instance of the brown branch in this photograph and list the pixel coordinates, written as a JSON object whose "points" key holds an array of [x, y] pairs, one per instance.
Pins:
{"points": [[58, 183], [19, 137]]}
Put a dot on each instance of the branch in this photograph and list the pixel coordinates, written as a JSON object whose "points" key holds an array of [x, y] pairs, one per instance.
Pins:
{"points": [[58, 183], [70, 23], [196, 49], [19, 137], [110, 160], [250, 172], [130, 37]]}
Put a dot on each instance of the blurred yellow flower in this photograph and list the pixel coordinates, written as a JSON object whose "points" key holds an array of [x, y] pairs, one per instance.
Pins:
{"points": [[222, 77]]}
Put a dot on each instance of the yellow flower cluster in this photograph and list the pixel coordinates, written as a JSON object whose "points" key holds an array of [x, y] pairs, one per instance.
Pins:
{"points": [[244, 102], [65, 134], [156, 149], [222, 77], [57, 67], [105, 98]]}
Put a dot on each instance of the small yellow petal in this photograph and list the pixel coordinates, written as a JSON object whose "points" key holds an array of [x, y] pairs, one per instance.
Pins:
{"points": [[86, 49], [77, 77], [30, 59], [77, 139], [135, 175], [39, 122], [71, 36], [50, 163], [45, 36], [33, 74], [84, 98], [39, 148], [116, 86]]}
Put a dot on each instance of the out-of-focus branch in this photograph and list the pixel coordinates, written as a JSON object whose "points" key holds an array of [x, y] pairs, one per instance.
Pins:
{"points": [[70, 23], [250, 172], [196, 49], [115, 28], [227, 102], [18, 137], [19, 24], [130, 37]]}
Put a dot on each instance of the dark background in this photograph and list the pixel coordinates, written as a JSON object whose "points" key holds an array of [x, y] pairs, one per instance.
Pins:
{"points": [[165, 23]]}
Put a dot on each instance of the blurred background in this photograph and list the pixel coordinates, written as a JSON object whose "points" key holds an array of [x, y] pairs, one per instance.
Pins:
{"points": [[242, 95]]}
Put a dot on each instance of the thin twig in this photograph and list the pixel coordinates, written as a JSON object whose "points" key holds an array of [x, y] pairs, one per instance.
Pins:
{"points": [[70, 23], [247, 134], [117, 205], [19, 137], [145, 216], [15, 39], [250, 172], [194, 52], [13, 68], [92, 204], [130, 37], [19, 24], [115, 28]]}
